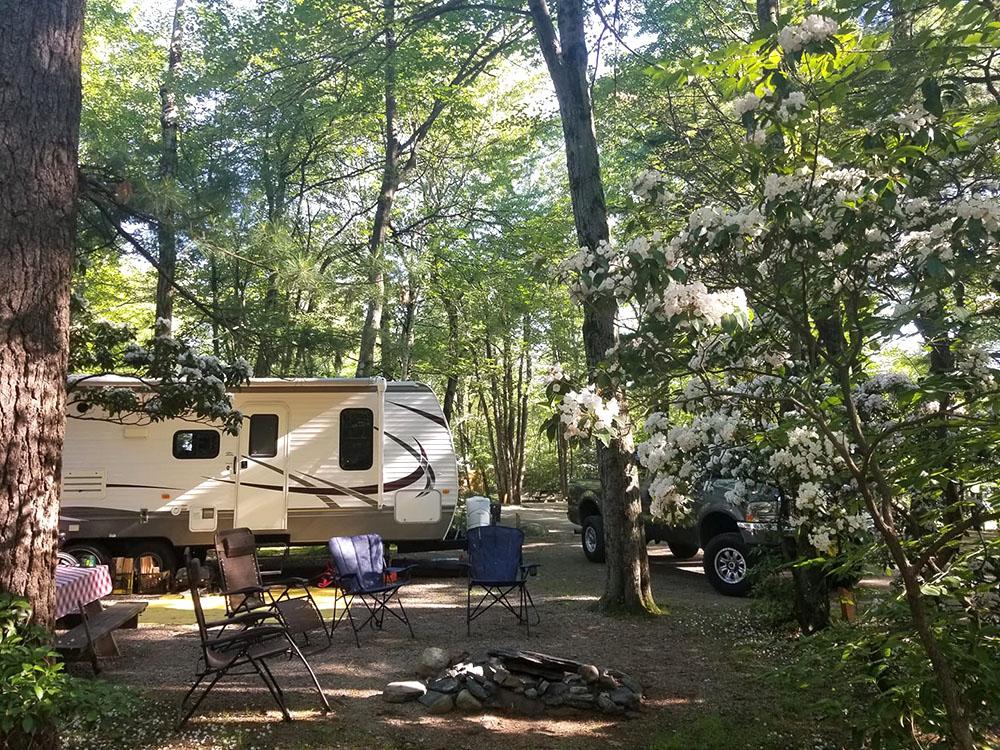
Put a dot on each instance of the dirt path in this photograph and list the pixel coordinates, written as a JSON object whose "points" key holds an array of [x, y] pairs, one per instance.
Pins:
{"points": [[682, 659]]}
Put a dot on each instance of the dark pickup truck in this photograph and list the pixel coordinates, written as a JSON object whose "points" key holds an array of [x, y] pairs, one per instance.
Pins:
{"points": [[722, 529]]}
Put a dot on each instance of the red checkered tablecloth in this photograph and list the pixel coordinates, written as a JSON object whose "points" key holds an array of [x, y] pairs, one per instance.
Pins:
{"points": [[76, 586]]}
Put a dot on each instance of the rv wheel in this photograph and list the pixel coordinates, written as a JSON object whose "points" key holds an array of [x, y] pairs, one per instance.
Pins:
{"points": [[88, 554]]}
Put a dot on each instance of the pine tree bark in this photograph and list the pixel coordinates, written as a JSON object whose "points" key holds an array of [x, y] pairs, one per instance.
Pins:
{"points": [[40, 44], [166, 235], [627, 569]]}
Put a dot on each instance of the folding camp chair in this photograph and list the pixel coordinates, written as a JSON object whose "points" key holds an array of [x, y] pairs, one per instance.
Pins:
{"points": [[245, 589], [256, 637], [360, 573], [497, 567]]}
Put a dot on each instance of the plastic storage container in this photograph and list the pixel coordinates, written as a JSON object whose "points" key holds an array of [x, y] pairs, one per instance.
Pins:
{"points": [[477, 512]]}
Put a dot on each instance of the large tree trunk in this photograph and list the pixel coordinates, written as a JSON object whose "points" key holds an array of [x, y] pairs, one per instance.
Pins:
{"points": [[40, 44], [166, 235], [627, 569], [383, 209]]}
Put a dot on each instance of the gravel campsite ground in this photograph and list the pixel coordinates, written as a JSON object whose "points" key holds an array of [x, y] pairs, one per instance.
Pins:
{"points": [[700, 665]]}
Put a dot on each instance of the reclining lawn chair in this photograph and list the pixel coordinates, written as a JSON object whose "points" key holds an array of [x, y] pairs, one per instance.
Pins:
{"points": [[253, 638], [496, 566], [246, 591], [360, 572]]}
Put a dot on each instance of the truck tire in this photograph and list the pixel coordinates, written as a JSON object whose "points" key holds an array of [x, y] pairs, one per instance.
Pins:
{"points": [[682, 551], [593, 538], [726, 564]]}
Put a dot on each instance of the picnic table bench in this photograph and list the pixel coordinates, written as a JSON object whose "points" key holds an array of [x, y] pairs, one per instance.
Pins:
{"points": [[93, 638], [90, 626]]}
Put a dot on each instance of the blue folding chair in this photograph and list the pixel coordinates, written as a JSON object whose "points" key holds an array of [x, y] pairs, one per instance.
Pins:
{"points": [[497, 567], [360, 573]]}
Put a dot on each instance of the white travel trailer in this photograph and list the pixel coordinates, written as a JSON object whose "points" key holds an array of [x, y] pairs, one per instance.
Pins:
{"points": [[314, 459]]}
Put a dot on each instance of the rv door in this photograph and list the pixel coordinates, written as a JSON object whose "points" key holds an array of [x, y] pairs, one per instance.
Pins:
{"points": [[262, 468]]}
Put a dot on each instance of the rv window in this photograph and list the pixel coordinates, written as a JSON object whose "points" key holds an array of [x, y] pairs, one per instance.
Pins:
{"points": [[357, 439], [264, 435], [196, 444]]}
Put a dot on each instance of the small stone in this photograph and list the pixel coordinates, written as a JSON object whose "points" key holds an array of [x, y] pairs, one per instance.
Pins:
{"points": [[437, 703], [608, 706], [510, 680], [543, 685], [531, 693], [466, 701], [445, 685], [579, 690], [432, 661], [589, 673], [580, 700], [400, 692], [500, 675], [571, 678], [624, 697], [631, 684], [607, 681]]}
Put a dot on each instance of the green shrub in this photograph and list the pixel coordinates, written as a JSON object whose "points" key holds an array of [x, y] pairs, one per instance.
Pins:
{"points": [[38, 697]]}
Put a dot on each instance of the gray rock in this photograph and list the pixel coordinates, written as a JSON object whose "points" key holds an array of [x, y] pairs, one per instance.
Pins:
{"points": [[478, 691], [432, 661], [531, 693], [437, 703], [466, 701], [589, 673], [510, 680], [543, 685], [624, 697], [579, 690], [556, 694], [631, 684], [608, 706], [607, 681], [445, 685], [400, 692], [580, 700], [500, 675]]}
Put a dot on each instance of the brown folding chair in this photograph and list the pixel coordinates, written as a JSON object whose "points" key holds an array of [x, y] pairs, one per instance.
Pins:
{"points": [[246, 591], [254, 638]]}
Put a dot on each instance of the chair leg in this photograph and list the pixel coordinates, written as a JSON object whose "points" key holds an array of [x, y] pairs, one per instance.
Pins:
{"points": [[312, 674], [273, 689], [201, 697], [406, 617]]}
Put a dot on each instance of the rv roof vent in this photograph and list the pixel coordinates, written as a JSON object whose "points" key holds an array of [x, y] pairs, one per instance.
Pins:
{"points": [[90, 484]]}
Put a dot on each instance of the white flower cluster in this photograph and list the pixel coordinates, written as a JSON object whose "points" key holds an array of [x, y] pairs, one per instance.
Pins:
{"points": [[693, 300], [914, 119], [791, 104], [986, 209], [553, 375], [584, 413], [815, 28], [746, 103], [651, 184], [873, 396], [777, 185], [980, 367], [602, 270]]}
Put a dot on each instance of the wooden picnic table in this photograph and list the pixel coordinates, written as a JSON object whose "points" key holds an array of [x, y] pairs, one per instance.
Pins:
{"points": [[78, 594]]}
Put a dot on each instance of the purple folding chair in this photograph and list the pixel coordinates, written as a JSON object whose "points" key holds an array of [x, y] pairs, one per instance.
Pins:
{"points": [[361, 573], [497, 567]]}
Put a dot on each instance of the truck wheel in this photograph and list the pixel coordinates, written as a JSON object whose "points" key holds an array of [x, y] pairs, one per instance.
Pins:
{"points": [[682, 551], [726, 564], [88, 554], [593, 538]]}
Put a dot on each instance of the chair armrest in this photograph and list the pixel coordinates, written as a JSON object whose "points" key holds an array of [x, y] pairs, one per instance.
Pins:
{"points": [[245, 618], [400, 572], [244, 591], [250, 635], [288, 583], [529, 570]]}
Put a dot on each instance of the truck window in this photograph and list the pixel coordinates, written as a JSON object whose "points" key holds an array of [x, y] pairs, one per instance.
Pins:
{"points": [[357, 439], [196, 444], [263, 441]]}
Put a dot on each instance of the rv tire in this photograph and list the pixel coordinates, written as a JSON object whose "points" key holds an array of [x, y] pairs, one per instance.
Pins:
{"points": [[97, 554], [163, 554]]}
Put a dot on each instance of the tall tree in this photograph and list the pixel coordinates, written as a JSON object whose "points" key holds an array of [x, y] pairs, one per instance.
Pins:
{"points": [[166, 234], [40, 51], [566, 57]]}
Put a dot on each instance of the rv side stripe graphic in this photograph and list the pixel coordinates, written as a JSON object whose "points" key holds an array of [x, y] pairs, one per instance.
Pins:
{"points": [[327, 500], [433, 417]]}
